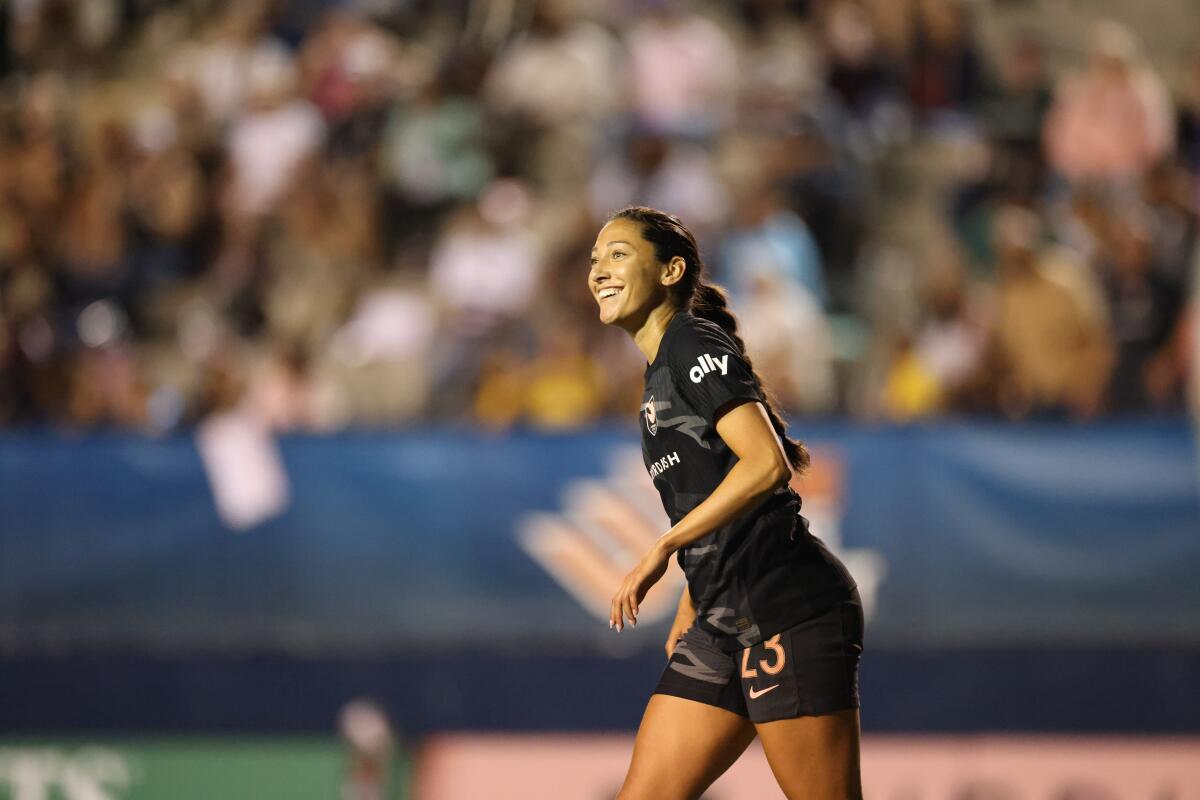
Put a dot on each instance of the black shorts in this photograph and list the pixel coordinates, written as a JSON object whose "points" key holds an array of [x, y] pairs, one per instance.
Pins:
{"points": [[807, 670]]}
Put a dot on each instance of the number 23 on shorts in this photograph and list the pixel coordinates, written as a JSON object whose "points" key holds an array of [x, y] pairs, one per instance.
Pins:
{"points": [[772, 644]]}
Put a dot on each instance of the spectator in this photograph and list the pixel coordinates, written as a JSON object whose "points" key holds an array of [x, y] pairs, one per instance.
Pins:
{"points": [[1145, 312], [1188, 118], [371, 744], [551, 90], [565, 386], [484, 275], [36, 172], [1014, 108], [1054, 349], [656, 171], [267, 144], [318, 252], [779, 70], [1112, 121], [859, 75], [62, 35], [1013, 111], [1172, 223], [499, 400], [215, 65], [950, 340], [683, 71], [946, 74], [346, 65], [937, 368], [910, 389], [93, 254], [347, 223], [1187, 347], [563, 70], [433, 148], [769, 239], [167, 205], [382, 357], [106, 388], [285, 393], [487, 263], [562, 387], [790, 341]]}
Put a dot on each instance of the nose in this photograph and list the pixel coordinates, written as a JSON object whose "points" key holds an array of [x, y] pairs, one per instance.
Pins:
{"points": [[598, 273]]}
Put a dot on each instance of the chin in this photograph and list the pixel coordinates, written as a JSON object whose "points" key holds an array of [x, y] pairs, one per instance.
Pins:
{"points": [[610, 318]]}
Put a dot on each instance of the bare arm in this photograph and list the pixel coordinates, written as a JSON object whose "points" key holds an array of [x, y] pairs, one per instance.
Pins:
{"points": [[685, 615], [762, 467]]}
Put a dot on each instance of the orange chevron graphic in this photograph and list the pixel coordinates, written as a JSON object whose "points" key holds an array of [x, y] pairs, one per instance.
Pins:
{"points": [[605, 526]]}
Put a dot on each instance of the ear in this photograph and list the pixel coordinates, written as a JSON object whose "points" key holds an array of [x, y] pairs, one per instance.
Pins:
{"points": [[673, 271]]}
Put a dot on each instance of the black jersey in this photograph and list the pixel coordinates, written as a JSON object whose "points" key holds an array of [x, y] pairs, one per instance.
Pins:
{"points": [[763, 572]]}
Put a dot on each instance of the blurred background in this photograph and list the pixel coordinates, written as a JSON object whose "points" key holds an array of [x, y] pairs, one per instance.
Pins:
{"points": [[317, 469]]}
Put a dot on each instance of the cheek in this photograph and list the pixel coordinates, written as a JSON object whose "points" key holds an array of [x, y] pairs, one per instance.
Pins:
{"points": [[635, 290], [640, 283], [650, 290]]}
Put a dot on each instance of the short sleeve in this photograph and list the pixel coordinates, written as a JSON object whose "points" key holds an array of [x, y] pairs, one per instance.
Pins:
{"points": [[710, 371]]}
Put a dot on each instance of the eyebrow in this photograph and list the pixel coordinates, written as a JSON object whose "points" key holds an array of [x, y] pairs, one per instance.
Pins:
{"points": [[615, 241]]}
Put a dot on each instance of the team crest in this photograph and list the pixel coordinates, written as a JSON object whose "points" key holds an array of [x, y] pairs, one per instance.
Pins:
{"points": [[651, 417]]}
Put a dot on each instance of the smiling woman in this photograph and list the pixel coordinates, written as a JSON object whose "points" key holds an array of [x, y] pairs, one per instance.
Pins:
{"points": [[768, 633]]}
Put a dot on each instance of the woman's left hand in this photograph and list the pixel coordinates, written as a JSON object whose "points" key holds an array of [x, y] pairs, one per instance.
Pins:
{"points": [[633, 589]]}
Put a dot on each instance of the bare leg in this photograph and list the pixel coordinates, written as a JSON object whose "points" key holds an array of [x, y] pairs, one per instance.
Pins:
{"points": [[815, 758], [682, 747]]}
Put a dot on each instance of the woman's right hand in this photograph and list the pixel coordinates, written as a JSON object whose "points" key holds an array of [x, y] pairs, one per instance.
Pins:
{"points": [[684, 617]]}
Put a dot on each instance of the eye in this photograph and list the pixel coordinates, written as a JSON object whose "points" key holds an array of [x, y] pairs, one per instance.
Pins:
{"points": [[617, 255]]}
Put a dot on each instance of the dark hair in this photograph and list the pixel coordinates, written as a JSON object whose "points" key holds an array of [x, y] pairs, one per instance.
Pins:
{"points": [[705, 300]]}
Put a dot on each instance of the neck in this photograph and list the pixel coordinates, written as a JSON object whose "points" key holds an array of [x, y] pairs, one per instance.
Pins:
{"points": [[649, 335]]}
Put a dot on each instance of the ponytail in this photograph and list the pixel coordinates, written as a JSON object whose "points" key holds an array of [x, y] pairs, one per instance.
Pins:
{"points": [[706, 301], [710, 302]]}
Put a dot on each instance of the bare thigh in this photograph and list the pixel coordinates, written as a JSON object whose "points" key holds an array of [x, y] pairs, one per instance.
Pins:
{"points": [[815, 758], [682, 747]]}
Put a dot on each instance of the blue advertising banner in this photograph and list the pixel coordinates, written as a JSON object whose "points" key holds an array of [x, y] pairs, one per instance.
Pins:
{"points": [[959, 535]]}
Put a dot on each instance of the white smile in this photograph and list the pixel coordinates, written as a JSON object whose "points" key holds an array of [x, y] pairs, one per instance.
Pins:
{"points": [[607, 293]]}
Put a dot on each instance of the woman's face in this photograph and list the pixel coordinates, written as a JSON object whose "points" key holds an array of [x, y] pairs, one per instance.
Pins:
{"points": [[626, 278]]}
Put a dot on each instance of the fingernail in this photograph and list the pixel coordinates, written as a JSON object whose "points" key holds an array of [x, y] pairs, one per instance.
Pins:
{"points": [[610, 624]]}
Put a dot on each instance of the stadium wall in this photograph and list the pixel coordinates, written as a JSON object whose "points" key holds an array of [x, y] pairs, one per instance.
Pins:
{"points": [[1038, 578]]}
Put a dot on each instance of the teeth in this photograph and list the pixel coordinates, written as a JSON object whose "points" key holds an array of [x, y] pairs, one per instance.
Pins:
{"points": [[608, 293]]}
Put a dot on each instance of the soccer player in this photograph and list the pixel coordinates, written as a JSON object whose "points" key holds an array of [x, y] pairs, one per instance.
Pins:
{"points": [[768, 634]]}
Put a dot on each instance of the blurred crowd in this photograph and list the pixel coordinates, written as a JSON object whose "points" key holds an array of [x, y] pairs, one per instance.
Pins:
{"points": [[376, 212]]}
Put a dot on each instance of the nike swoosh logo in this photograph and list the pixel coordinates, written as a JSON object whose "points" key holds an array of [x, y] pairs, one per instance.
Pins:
{"points": [[755, 694]]}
